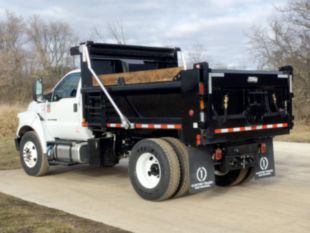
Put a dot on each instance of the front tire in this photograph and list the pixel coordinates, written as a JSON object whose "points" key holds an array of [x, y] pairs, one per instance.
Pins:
{"points": [[33, 161], [154, 169]]}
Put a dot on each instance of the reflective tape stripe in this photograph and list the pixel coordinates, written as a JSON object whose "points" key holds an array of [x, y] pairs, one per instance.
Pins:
{"points": [[250, 128], [114, 125], [147, 126]]}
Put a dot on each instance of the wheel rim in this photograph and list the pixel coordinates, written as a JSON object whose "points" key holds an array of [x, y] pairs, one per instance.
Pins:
{"points": [[30, 154], [148, 170]]}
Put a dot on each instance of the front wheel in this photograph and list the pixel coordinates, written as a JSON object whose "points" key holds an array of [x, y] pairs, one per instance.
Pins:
{"points": [[34, 162], [154, 169]]}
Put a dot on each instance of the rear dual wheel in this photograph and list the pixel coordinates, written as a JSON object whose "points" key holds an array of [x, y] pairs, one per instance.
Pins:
{"points": [[158, 168], [182, 153], [154, 169]]}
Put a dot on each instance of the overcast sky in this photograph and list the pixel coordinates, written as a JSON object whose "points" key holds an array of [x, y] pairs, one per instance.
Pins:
{"points": [[219, 25]]}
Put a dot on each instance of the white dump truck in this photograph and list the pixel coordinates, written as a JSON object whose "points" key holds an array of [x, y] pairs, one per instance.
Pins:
{"points": [[184, 130]]}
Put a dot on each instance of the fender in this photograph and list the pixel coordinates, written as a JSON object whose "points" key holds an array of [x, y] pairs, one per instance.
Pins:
{"points": [[34, 121]]}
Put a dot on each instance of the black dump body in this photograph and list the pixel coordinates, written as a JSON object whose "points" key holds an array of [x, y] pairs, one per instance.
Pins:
{"points": [[200, 105]]}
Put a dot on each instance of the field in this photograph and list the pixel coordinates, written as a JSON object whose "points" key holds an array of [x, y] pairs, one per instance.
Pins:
{"points": [[8, 123]]}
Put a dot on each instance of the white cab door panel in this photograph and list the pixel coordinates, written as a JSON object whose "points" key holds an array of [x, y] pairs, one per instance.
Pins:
{"points": [[63, 113]]}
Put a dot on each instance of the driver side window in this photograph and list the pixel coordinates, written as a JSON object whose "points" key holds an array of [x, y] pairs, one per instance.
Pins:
{"points": [[67, 88]]}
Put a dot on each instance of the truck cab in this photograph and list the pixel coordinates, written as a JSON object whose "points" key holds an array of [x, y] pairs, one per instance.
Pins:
{"points": [[184, 130]]}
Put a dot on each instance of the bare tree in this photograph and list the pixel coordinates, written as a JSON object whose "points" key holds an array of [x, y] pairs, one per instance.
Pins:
{"points": [[197, 54], [30, 49], [51, 41], [97, 34], [13, 55], [117, 31], [287, 41]]}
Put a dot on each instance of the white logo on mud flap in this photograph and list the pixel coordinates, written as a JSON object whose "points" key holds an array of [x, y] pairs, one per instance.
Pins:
{"points": [[263, 163], [201, 174]]}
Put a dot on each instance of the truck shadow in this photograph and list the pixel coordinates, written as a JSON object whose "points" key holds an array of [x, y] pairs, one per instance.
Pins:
{"points": [[119, 170]]}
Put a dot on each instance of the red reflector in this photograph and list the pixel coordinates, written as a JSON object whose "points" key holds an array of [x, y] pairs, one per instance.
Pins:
{"points": [[191, 112], [84, 123], [218, 154], [201, 89], [198, 139], [263, 148]]}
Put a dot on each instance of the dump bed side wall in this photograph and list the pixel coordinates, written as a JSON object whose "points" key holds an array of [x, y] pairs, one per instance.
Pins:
{"points": [[174, 107]]}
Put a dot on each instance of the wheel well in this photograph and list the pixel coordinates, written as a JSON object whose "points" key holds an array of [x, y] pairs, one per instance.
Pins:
{"points": [[21, 133], [24, 130]]}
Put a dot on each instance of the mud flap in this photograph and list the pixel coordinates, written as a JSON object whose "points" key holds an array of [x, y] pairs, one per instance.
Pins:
{"points": [[201, 169], [264, 166]]}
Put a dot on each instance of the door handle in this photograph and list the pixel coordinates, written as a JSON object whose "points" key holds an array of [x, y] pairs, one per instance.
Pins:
{"points": [[75, 107]]}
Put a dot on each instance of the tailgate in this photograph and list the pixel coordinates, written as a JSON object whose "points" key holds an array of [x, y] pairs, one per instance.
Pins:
{"points": [[249, 103]]}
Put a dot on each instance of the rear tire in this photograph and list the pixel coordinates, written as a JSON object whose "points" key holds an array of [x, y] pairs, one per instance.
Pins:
{"points": [[250, 175], [183, 156], [231, 178], [154, 169], [34, 162]]}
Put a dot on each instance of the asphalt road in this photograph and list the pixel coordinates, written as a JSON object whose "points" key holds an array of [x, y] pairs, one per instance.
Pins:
{"points": [[279, 204]]}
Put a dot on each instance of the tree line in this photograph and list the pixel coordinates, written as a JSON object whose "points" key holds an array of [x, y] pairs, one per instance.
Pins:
{"points": [[286, 41], [32, 48]]}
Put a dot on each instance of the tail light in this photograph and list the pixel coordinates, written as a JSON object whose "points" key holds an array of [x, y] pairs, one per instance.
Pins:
{"points": [[218, 154], [198, 139], [191, 112], [263, 148], [201, 89]]}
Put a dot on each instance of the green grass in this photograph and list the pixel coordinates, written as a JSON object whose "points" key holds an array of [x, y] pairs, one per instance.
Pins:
{"points": [[9, 156], [20, 216]]}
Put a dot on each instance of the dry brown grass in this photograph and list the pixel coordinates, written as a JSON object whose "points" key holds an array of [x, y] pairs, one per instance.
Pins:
{"points": [[8, 119], [9, 158]]}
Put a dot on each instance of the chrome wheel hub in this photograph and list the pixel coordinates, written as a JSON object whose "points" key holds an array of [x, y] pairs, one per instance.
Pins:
{"points": [[30, 154]]}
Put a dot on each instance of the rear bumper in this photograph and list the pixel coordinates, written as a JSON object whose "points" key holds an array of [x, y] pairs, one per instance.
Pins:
{"points": [[243, 133], [250, 128]]}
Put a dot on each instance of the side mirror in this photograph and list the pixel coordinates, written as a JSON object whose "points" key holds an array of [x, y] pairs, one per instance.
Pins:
{"points": [[37, 91]]}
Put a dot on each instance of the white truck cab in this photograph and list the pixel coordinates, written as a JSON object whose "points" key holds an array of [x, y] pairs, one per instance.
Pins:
{"points": [[57, 116]]}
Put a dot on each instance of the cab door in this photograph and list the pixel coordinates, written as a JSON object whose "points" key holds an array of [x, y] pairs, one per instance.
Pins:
{"points": [[63, 112]]}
